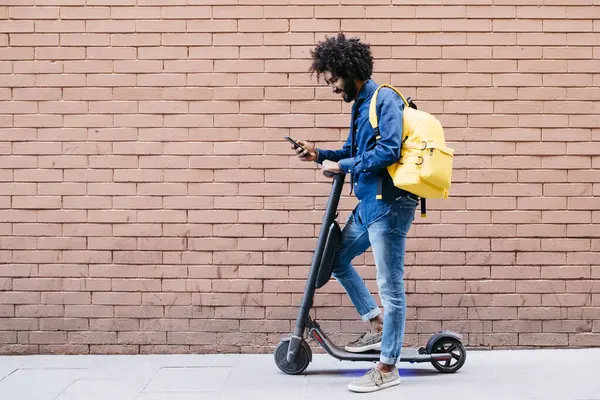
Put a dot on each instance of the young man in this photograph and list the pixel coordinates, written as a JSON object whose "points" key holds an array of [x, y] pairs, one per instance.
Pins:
{"points": [[382, 223]]}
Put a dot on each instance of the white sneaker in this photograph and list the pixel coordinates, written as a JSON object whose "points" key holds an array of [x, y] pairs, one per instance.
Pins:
{"points": [[375, 380]]}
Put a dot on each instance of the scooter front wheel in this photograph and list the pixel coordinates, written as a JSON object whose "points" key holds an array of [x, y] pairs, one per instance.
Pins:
{"points": [[299, 364]]}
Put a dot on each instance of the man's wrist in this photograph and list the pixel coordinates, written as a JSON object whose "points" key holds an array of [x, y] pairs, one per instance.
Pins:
{"points": [[319, 160]]}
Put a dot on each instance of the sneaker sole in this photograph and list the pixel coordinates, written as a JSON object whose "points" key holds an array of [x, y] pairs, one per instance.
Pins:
{"points": [[362, 349], [369, 389]]}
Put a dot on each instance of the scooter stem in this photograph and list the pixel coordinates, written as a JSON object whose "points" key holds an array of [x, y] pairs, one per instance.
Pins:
{"points": [[309, 290]]}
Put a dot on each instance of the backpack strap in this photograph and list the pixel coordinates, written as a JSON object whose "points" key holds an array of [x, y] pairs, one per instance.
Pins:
{"points": [[373, 108], [375, 124]]}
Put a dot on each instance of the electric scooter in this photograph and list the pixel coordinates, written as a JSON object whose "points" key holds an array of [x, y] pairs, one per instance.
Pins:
{"points": [[444, 350]]}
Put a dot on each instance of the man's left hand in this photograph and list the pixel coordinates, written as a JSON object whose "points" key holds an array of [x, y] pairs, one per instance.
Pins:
{"points": [[330, 168]]}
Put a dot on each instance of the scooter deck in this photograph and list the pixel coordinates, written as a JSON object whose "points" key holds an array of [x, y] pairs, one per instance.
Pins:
{"points": [[407, 354]]}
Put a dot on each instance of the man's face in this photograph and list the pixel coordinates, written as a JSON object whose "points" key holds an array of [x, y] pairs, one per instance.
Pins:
{"points": [[346, 89]]}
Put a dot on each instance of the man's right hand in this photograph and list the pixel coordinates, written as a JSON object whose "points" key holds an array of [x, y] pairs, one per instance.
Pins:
{"points": [[308, 152]]}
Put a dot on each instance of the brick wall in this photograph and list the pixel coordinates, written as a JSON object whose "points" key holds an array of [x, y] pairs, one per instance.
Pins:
{"points": [[149, 204]]}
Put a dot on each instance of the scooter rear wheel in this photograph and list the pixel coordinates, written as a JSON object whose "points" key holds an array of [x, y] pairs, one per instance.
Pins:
{"points": [[455, 349], [299, 364]]}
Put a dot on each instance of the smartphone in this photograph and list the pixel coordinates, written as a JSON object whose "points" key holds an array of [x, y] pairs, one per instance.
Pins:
{"points": [[293, 142]]}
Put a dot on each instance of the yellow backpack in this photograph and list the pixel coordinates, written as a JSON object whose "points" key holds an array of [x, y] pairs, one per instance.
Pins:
{"points": [[425, 164]]}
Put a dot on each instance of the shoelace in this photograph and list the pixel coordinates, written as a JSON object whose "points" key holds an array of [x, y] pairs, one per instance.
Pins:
{"points": [[360, 338], [376, 376]]}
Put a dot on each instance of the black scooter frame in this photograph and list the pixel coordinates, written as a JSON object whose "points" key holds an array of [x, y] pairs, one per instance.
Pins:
{"points": [[304, 320]]}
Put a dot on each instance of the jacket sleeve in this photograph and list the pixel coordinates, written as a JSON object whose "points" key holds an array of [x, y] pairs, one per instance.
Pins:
{"points": [[387, 149], [335, 155]]}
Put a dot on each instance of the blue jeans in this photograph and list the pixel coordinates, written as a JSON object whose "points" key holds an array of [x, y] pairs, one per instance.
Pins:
{"points": [[387, 236]]}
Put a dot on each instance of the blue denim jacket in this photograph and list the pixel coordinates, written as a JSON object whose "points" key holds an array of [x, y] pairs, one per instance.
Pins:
{"points": [[366, 158]]}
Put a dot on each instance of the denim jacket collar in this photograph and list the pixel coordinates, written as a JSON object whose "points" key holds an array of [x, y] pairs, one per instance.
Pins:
{"points": [[367, 89]]}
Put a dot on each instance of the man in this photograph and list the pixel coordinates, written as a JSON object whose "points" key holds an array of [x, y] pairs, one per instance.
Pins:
{"points": [[382, 223]]}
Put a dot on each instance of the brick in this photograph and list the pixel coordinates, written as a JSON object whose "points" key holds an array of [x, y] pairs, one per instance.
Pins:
{"points": [[542, 203], [115, 298], [491, 286], [440, 286], [552, 176], [63, 107], [258, 25], [66, 298], [88, 311], [582, 148], [557, 217], [288, 12], [16, 26], [578, 286], [91, 257], [442, 313], [19, 297], [238, 230], [92, 337], [541, 313], [467, 272], [162, 53], [110, 26], [14, 243], [582, 258], [518, 326], [519, 244], [174, 175], [37, 202], [22, 229], [47, 337], [38, 121], [22, 39], [194, 12], [39, 311], [288, 39], [18, 188], [492, 313], [543, 339], [238, 39], [541, 230], [264, 326], [492, 203], [123, 42], [478, 258], [516, 300], [583, 339], [80, 175], [566, 244], [216, 26], [229, 66], [164, 325], [553, 258], [84, 13]]}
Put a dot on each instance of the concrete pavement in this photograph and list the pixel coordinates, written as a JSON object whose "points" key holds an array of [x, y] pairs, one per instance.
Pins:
{"points": [[486, 375]]}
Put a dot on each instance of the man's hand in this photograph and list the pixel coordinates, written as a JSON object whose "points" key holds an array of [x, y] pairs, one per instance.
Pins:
{"points": [[330, 168], [309, 153]]}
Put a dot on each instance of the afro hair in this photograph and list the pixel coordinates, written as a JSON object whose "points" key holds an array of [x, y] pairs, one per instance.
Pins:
{"points": [[343, 58]]}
